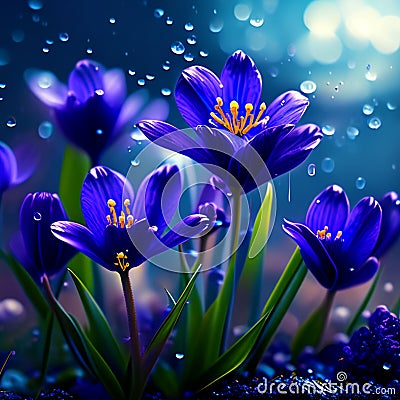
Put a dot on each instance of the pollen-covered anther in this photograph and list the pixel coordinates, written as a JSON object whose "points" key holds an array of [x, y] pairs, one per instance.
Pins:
{"points": [[239, 125], [121, 261], [339, 235], [122, 220], [111, 205], [127, 203]]}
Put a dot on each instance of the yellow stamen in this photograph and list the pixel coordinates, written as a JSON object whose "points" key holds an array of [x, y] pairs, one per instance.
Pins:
{"points": [[127, 203], [111, 205], [109, 220], [130, 220], [121, 257], [122, 220], [339, 235], [239, 125]]}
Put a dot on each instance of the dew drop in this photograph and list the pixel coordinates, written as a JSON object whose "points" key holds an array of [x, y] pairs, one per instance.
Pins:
{"points": [[45, 49], [135, 162], [131, 72], [37, 216], [374, 123], [45, 129], [371, 76], [99, 92], [367, 109], [169, 21], [99, 131], [150, 77], [18, 36], [35, 4], [166, 92], [49, 41], [112, 20], [203, 53], [158, 12], [391, 106], [216, 25], [153, 228], [3, 85], [311, 170], [388, 287], [63, 36], [177, 47], [166, 65], [257, 22], [308, 87], [386, 366], [188, 57], [352, 132], [11, 122], [191, 39], [328, 165], [141, 82], [35, 332], [360, 183], [89, 50], [328, 130], [179, 356], [189, 26]]}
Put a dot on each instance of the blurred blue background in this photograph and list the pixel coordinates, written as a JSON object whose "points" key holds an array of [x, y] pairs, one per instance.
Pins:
{"points": [[342, 54]]}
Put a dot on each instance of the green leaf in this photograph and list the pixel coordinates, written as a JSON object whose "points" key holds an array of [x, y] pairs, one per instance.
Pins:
{"points": [[83, 348], [29, 286], [100, 332], [250, 282], [231, 359], [277, 305], [311, 332], [75, 167], [357, 319], [166, 380], [161, 336]]}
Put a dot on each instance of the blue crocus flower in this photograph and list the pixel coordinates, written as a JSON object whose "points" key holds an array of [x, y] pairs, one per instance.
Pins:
{"points": [[232, 128], [122, 233], [92, 109], [12, 171], [35, 246], [390, 228], [336, 245]]}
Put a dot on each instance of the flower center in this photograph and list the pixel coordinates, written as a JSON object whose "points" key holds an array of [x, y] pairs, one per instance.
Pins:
{"points": [[239, 125], [125, 219], [325, 235], [121, 261]]}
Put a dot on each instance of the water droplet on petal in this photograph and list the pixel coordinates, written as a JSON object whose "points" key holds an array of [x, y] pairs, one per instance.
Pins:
{"points": [[189, 26], [257, 22], [37, 216], [328, 165], [352, 132], [11, 122], [99, 92], [153, 228], [63, 36], [179, 356], [367, 109], [374, 123], [158, 12], [165, 91], [177, 47], [308, 87], [360, 183], [135, 162], [386, 366], [45, 129], [311, 170], [328, 130]]}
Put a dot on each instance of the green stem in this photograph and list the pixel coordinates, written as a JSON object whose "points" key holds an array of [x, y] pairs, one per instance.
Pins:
{"points": [[357, 319], [136, 358]]}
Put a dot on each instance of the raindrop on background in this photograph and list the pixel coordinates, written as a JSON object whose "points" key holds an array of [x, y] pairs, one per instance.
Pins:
{"points": [[360, 183], [177, 47]]}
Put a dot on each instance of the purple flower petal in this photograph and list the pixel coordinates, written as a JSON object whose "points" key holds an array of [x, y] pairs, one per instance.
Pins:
{"points": [[85, 79], [27, 158], [156, 109], [102, 184], [46, 87], [349, 278], [8, 167], [293, 148], [80, 237], [241, 79], [361, 232], [288, 108], [158, 196], [390, 227], [114, 87], [314, 254], [195, 93], [330, 208]]}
